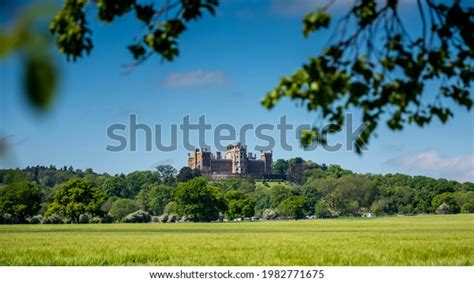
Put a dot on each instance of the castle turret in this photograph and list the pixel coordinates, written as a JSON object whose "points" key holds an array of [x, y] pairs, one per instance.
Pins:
{"points": [[268, 161]]}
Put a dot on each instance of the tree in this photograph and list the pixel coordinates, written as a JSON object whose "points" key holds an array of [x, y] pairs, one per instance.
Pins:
{"points": [[121, 208], [239, 205], [20, 200], [186, 173], [198, 200], [293, 207], [280, 167], [166, 174], [137, 179], [377, 67], [445, 203], [116, 186], [76, 197], [153, 197], [277, 194], [296, 170], [322, 210], [245, 185]]}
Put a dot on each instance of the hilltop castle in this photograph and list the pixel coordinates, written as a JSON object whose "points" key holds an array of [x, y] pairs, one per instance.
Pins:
{"points": [[237, 162]]}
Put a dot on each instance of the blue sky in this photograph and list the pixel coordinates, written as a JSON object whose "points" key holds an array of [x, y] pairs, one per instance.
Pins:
{"points": [[227, 64]]}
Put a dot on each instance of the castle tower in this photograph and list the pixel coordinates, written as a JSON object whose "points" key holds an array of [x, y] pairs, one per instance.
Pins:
{"points": [[238, 154], [267, 157], [205, 161]]}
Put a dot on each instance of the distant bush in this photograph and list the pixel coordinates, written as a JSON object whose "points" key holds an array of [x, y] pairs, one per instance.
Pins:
{"points": [[139, 216], [322, 210], [122, 208], [155, 219], [53, 219], [37, 219], [7, 218], [107, 219], [467, 207], [269, 214], [293, 207], [185, 218], [95, 220], [172, 218], [84, 218], [170, 208], [163, 218]]}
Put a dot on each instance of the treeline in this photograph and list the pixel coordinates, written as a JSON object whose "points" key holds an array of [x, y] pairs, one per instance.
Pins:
{"points": [[65, 195]]}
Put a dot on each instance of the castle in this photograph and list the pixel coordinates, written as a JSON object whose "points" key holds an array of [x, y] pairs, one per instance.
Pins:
{"points": [[237, 162]]}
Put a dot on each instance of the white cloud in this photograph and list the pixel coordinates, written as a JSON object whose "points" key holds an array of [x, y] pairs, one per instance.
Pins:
{"points": [[196, 78], [459, 167]]}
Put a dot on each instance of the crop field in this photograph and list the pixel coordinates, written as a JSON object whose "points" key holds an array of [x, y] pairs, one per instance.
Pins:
{"points": [[418, 240]]}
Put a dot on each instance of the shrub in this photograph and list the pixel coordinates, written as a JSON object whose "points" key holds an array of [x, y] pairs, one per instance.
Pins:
{"points": [[172, 218], [163, 218], [185, 218], [322, 210], [139, 216], [53, 219], [83, 218], [122, 208], [95, 220], [445, 203], [155, 219], [293, 207], [107, 219], [467, 207], [444, 208], [7, 218], [170, 208], [37, 219], [269, 214]]}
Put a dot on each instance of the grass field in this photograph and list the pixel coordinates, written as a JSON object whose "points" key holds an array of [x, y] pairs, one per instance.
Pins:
{"points": [[419, 240]]}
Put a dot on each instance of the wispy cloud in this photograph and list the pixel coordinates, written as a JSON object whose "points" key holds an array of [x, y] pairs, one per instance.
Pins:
{"points": [[197, 78], [459, 167]]}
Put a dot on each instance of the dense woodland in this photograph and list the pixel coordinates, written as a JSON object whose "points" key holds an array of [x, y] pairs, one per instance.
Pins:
{"points": [[66, 195]]}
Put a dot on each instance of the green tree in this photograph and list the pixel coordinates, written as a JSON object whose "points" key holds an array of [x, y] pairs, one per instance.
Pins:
{"points": [[121, 208], [239, 205], [447, 201], [166, 174], [20, 200], [293, 207], [160, 195], [198, 200], [277, 194], [137, 179], [76, 197], [296, 168], [322, 210], [186, 173], [280, 167], [116, 186]]}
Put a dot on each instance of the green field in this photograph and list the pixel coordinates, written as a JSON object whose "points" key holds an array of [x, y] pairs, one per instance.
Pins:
{"points": [[419, 240]]}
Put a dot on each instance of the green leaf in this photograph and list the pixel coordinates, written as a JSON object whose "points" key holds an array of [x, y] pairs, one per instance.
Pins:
{"points": [[40, 80], [315, 21], [145, 12]]}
